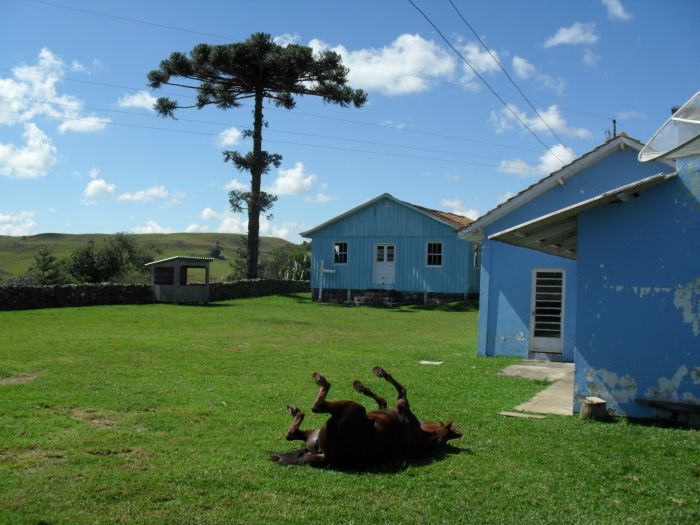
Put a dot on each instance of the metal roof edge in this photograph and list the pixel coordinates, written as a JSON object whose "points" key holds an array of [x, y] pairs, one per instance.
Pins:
{"points": [[474, 231], [182, 258], [414, 207]]}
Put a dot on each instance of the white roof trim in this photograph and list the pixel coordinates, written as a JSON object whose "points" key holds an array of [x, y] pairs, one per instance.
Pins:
{"points": [[474, 232], [369, 203], [183, 258], [557, 233]]}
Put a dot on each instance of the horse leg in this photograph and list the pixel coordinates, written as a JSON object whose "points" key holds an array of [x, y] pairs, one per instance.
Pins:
{"points": [[362, 389], [383, 374], [321, 406], [294, 431]]}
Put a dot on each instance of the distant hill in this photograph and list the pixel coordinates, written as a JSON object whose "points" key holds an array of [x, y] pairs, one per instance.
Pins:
{"points": [[17, 253]]}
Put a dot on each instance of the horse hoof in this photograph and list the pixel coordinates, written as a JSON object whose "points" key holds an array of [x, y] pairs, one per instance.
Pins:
{"points": [[379, 372], [359, 387], [320, 380], [293, 410]]}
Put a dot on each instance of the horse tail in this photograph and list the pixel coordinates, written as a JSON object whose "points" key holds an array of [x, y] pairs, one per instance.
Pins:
{"points": [[299, 457]]}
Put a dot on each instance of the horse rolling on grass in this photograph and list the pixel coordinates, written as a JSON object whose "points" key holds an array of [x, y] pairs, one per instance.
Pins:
{"points": [[353, 437]]}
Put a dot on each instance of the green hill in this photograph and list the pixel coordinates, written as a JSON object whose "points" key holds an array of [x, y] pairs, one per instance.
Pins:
{"points": [[17, 253]]}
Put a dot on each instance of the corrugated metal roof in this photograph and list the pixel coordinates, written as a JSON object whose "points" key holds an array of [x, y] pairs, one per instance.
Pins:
{"points": [[575, 166], [451, 219], [183, 258], [557, 233]]}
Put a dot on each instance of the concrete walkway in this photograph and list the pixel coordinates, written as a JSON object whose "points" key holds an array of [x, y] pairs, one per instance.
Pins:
{"points": [[556, 399]]}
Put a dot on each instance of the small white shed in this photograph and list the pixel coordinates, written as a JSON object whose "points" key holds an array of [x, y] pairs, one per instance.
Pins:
{"points": [[172, 282]]}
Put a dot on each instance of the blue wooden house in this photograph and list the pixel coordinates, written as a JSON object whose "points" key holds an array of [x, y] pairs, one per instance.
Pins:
{"points": [[637, 251], [397, 248], [528, 298]]}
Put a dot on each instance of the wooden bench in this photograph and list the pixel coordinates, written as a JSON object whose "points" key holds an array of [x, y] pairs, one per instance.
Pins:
{"points": [[676, 408]]}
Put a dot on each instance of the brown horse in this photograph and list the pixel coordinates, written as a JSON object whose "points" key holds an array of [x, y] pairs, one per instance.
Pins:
{"points": [[353, 437]]}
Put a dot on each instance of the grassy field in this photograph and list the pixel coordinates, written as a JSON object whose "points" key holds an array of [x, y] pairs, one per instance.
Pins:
{"points": [[17, 253], [165, 414]]}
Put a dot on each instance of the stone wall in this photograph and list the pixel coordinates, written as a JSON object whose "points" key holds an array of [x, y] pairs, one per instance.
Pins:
{"points": [[57, 296]]}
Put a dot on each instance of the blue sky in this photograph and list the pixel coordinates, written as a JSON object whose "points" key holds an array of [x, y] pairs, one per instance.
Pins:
{"points": [[81, 151]]}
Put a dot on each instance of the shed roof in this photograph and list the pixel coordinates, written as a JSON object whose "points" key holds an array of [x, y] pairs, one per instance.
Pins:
{"points": [[474, 231], [557, 233], [450, 219], [182, 258]]}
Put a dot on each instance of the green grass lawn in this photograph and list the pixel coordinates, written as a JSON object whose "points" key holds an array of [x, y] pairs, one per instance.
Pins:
{"points": [[165, 414]]}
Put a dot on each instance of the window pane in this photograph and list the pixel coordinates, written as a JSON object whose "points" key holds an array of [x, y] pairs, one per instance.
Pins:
{"points": [[389, 254], [434, 254], [340, 255], [380, 253]]}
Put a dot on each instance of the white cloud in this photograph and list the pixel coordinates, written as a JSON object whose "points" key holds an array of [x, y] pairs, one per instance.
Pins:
{"points": [[526, 70], [505, 197], [319, 198], [480, 60], [141, 99], [292, 181], [632, 114], [408, 65], [392, 124], [77, 67], [616, 10], [576, 34], [154, 192], [457, 207], [235, 184], [196, 228], [32, 92], [287, 38], [151, 227], [209, 214], [99, 189], [556, 157], [522, 68], [94, 173], [17, 224], [229, 137], [238, 223], [590, 58], [31, 160], [505, 120]]}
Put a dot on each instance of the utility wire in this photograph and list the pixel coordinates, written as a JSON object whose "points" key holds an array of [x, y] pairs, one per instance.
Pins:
{"points": [[495, 59], [485, 82], [313, 115], [134, 20], [222, 37], [273, 130], [273, 141]]}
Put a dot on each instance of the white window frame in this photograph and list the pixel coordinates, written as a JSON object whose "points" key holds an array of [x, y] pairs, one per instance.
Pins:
{"points": [[347, 253], [427, 254]]}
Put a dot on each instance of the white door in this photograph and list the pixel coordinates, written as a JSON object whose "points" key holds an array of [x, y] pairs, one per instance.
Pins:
{"points": [[547, 311], [384, 259]]}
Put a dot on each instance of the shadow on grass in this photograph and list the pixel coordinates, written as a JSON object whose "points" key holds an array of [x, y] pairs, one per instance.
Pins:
{"points": [[392, 467]]}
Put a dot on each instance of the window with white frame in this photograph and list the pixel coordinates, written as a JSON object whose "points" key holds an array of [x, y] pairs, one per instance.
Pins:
{"points": [[434, 254], [340, 253]]}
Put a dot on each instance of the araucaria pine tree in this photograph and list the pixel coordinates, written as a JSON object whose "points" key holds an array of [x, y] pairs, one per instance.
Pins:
{"points": [[258, 69]]}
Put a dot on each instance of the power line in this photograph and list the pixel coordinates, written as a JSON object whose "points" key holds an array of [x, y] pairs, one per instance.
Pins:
{"points": [[222, 37], [485, 82], [272, 130], [127, 19], [273, 141], [313, 115], [495, 59]]}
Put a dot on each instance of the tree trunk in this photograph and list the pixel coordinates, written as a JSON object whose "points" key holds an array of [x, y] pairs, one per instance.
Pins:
{"points": [[594, 408], [255, 182]]}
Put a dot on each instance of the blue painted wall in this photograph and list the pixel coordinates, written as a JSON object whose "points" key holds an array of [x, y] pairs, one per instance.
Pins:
{"points": [[506, 271], [410, 230], [638, 322]]}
